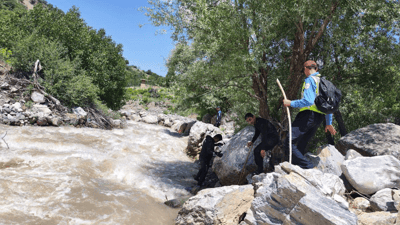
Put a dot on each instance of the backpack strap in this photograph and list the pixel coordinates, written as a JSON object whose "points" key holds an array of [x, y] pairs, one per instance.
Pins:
{"points": [[316, 79]]}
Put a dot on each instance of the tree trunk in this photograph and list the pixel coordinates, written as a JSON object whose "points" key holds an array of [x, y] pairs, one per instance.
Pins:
{"points": [[339, 119]]}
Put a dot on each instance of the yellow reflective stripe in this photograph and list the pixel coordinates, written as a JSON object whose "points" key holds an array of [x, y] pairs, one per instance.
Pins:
{"points": [[312, 107]]}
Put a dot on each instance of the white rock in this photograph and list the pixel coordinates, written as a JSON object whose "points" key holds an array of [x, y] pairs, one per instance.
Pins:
{"points": [[223, 205], [371, 174], [37, 97]]}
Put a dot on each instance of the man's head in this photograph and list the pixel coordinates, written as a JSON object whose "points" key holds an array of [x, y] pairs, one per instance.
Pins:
{"points": [[310, 67], [250, 118], [217, 108], [217, 137]]}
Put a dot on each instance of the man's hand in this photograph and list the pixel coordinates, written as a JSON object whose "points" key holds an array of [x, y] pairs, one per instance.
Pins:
{"points": [[331, 129], [249, 144], [286, 102], [262, 153]]}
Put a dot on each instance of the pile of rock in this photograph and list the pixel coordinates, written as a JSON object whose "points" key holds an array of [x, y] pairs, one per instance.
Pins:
{"points": [[350, 189], [24, 103]]}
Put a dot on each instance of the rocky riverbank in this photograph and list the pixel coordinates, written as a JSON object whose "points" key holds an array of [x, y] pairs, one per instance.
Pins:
{"points": [[360, 187]]}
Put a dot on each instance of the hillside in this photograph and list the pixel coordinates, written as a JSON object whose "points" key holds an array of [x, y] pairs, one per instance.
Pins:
{"points": [[135, 75]]}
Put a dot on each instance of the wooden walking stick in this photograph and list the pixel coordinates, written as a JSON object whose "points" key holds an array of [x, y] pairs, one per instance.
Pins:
{"points": [[290, 123]]}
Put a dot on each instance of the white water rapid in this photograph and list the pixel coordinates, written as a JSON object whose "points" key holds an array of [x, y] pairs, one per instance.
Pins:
{"points": [[67, 175]]}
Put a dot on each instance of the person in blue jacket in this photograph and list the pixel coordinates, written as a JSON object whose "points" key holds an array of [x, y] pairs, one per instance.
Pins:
{"points": [[308, 119], [219, 115]]}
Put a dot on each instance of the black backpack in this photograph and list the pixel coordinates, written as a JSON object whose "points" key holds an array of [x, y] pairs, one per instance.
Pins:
{"points": [[328, 98]]}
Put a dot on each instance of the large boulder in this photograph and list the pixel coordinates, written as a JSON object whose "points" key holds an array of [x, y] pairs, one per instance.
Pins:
{"points": [[229, 168], [371, 174], [223, 205], [373, 140], [198, 132], [299, 197]]}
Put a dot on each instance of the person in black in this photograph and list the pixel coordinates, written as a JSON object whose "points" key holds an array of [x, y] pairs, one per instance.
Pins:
{"points": [[269, 136], [206, 155]]}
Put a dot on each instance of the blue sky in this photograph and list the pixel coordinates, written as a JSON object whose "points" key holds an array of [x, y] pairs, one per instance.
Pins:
{"points": [[121, 19]]}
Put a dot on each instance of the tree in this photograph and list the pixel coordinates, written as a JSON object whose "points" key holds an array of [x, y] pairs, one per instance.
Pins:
{"points": [[240, 47]]}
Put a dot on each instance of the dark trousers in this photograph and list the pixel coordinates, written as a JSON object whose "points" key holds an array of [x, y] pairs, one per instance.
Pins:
{"points": [[303, 129], [267, 146], [204, 165]]}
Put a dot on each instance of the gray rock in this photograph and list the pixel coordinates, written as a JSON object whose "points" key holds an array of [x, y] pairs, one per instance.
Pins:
{"points": [[383, 200], [150, 119], [38, 97], [4, 85], [373, 140], [361, 204], [41, 121], [229, 167], [328, 160], [143, 113], [168, 122], [223, 205], [55, 121], [197, 134], [135, 117], [80, 112], [41, 110], [116, 123], [371, 174], [352, 154], [13, 90], [17, 107], [71, 118], [298, 198]]}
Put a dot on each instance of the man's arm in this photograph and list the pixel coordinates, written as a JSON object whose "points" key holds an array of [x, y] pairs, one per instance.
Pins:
{"points": [[309, 95]]}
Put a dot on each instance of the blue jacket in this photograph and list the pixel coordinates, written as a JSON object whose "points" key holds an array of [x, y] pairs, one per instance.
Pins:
{"points": [[309, 97]]}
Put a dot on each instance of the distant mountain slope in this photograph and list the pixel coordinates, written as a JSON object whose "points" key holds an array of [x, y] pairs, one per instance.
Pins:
{"points": [[135, 75]]}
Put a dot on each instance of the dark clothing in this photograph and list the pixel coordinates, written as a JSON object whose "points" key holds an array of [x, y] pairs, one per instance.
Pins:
{"points": [[206, 155], [269, 138], [208, 147], [303, 129], [259, 160], [204, 166]]}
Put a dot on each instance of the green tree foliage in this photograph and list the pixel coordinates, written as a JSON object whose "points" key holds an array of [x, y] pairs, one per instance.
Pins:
{"points": [[62, 78], [233, 52], [73, 43], [10, 5]]}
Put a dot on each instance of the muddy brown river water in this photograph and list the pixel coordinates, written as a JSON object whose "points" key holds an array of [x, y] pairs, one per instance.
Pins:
{"points": [[67, 175]]}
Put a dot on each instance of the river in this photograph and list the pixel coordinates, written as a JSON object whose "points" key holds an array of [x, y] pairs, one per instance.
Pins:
{"points": [[67, 175]]}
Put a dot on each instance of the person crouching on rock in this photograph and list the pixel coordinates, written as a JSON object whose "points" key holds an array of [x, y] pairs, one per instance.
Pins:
{"points": [[269, 138], [206, 155]]}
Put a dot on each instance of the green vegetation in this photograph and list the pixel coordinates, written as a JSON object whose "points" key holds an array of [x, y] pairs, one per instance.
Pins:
{"points": [[80, 64], [5, 55], [135, 75], [231, 53]]}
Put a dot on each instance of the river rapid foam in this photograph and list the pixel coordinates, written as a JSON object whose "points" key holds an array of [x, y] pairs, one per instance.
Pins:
{"points": [[67, 175]]}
